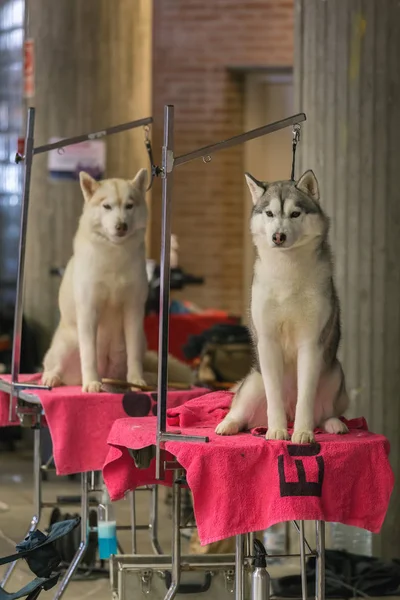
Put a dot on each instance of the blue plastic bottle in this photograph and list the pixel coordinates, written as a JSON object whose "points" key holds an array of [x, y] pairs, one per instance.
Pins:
{"points": [[106, 527]]}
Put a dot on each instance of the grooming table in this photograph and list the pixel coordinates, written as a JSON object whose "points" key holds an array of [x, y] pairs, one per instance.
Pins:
{"points": [[79, 423], [244, 483]]}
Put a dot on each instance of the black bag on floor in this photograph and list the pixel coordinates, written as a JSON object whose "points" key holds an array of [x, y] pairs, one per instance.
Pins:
{"points": [[225, 354], [69, 544], [40, 552], [347, 576]]}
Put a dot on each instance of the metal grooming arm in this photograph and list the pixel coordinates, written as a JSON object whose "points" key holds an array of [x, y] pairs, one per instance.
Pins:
{"points": [[167, 167], [15, 386]]}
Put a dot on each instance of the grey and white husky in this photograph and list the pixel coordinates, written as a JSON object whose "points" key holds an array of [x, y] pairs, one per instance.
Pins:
{"points": [[295, 318]]}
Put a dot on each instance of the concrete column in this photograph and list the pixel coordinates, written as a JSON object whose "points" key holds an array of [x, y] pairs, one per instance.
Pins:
{"points": [[93, 70], [348, 83]]}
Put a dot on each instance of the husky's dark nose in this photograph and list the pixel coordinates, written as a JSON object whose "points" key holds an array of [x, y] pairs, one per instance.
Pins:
{"points": [[279, 238], [121, 228]]}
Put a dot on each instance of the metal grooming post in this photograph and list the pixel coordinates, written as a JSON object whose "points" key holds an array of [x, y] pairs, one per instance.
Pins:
{"points": [[28, 404], [239, 568], [132, 500], [30, 151], [303, 563], [320, 560], [176, 537], [168, 164], [154, 521]]}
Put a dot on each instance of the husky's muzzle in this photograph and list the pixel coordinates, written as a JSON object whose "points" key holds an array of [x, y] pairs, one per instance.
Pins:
{"points": [[121, 229], [279, 238]]}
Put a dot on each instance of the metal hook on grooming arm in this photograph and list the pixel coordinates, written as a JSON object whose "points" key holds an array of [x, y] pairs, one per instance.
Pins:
{"points": [[154, 170], [295, 140], [147, 143]]}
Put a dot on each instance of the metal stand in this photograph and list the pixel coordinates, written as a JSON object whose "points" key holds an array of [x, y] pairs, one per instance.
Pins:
{"points": [[30, 151], [168, 163], [28, 408]]}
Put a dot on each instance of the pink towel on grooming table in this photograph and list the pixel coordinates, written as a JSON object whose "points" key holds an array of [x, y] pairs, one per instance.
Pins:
{"points": [[79, 423], [245, 483]]}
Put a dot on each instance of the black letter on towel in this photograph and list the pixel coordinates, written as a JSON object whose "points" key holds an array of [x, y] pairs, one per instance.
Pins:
{"points": [[304, 450], [302, 487]]}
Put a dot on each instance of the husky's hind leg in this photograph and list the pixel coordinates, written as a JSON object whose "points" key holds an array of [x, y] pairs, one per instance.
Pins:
{"points": [[334, 400], [63, 346], [247, 404], [335, 425]]}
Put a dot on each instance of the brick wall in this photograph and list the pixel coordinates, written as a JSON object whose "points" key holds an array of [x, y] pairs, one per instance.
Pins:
{"points": [[194, 44]]}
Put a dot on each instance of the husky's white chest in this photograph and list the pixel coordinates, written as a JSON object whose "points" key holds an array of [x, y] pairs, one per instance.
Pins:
{"points": [[112, 278], [288, 305]]}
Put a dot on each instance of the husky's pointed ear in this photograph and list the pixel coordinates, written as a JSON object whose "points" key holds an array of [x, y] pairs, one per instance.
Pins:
{"points": [[256, 188], [309, 185], [88, 185], [140, 181]]}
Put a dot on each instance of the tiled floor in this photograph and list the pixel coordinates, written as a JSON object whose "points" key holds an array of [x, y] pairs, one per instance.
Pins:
{"points": [[16, 494]]}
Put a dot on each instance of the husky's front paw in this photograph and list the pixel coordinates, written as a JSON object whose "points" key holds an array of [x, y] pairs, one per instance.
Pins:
{"points": [[227, 427], [50, 379], [93, 387], [303, 437], [277, 434], [137, 382], [335, 425]]}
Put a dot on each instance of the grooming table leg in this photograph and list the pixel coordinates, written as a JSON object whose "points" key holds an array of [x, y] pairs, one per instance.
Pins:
{"points": [[132, 500], [176, 538], [239, 570], [84, 539], [304, 594], [249, 544], [154, 521], [320, 561], [37, 494]]}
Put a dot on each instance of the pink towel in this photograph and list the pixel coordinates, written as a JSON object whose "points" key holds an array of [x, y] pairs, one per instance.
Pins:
{"points": [[80, 423], [199, 412], [245, 483], [210, 409]]}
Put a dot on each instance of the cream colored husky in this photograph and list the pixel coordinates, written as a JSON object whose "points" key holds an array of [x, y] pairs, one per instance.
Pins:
{"points": [[103, 292]]}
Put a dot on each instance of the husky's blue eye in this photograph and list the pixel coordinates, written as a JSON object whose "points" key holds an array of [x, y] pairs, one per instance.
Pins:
{"points": [[269, 213], [295, 214], [107, 206]]}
